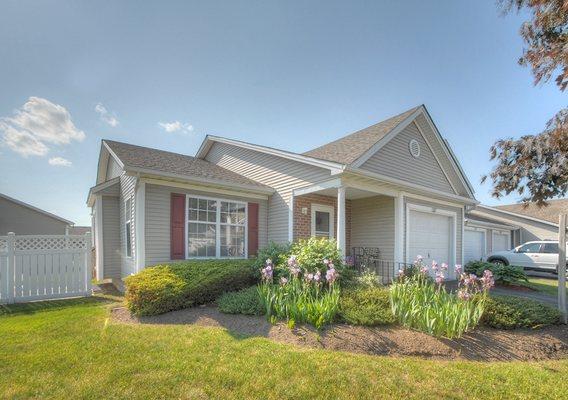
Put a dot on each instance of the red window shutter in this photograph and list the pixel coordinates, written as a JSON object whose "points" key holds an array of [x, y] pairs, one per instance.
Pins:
{"points": [[252, 229], [177, 226]]}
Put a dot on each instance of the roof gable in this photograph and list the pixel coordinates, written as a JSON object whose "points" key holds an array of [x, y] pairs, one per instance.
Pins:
{"points": [[348, 149], [424, 169], [39, 210]]}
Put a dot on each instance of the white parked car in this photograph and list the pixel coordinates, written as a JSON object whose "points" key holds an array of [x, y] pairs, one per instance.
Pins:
{"points": [[537, 255]]}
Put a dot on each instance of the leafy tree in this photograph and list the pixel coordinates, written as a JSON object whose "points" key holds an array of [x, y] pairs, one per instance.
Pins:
{"points": [[536, 166]]}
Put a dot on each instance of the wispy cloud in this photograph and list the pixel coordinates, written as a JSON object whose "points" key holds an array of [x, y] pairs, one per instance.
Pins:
{"points": [[59, 162], [176, 127], [36, 125], [105, 115]]}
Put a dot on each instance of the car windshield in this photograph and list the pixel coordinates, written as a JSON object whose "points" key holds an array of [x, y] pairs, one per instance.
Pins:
{"points": [[529, 248]]}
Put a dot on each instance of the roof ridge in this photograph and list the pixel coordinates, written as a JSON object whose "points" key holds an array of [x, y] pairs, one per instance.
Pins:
{"points": [[149, 148]]}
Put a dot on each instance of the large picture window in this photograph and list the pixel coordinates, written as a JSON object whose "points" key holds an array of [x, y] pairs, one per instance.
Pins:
{"points": [[215, 228]]}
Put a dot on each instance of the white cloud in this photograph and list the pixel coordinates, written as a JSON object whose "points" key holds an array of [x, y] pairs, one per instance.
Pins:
{"points": [[59, 162], [176, 126], [37, 124], [105, 115]]}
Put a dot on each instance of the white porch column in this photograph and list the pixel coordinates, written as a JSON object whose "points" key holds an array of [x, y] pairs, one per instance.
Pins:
{"points": [[341, 220], [98, 228], [398, 228]]}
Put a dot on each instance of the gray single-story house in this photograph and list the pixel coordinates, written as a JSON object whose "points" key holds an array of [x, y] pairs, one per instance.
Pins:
{"points": [[395, 186], [25, 219]]}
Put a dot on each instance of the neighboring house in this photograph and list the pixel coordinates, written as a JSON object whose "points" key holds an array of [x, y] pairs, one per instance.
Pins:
{"points": [[395, 186], [25, 219], [490, 229]]}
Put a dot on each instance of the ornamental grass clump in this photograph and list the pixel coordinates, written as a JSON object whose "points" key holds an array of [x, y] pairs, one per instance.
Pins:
{"points": [[422, 303], [301, 296]]}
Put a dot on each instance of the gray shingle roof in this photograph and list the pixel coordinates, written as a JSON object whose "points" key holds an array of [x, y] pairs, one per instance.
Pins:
{"points": [[173, 163], [547, 213], [348, 149]]}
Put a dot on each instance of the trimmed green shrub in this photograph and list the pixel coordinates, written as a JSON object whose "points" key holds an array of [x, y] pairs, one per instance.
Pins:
{"points": [[246, 301], [502, 274], [509, 312], [169, 287], [366, 306], [311, 252]]}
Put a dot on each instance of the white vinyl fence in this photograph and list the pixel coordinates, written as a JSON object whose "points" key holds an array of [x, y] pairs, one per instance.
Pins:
{"points": [[37, 267]]}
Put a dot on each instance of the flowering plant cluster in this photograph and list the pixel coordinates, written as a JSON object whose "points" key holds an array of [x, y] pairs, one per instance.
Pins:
{"points": [[302, 296], [419, 300]]}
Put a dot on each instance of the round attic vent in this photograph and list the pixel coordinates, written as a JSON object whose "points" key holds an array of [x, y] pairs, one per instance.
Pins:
{"points": [[414, 148]]}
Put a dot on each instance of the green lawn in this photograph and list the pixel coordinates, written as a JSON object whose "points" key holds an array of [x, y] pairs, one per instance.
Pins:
{"points": [[69, 349], [548, 286]]}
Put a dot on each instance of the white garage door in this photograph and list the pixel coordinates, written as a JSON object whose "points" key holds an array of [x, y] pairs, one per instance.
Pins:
{"points": [[429, 236], [501, 241], [474, 245]]}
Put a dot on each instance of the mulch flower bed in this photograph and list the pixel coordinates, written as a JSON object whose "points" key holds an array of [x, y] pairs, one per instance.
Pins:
{"points": [[482, 344]]}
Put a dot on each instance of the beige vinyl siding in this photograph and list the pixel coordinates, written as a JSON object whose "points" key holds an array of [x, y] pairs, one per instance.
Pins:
{"points": [[372, 224], [127, 186], [442, 155], [529, 230], [113, 169], [157, 222], [111, 237], [459, 224], [24, 221], [279, 173], [395, 160]]}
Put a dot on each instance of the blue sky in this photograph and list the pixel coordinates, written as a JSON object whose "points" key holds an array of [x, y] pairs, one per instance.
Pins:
{"points": [[292, 75]]}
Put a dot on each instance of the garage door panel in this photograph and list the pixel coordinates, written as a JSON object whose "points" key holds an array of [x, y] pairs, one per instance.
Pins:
{"points": [[429, 236], [474, 245], [501, 242]]}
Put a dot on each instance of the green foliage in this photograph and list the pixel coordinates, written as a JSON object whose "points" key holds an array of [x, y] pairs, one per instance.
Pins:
{"points": [[300, 301], [277, 252], [508, 312], [169, 287], [246, 301], [311, 252], [367, 279], [420, 304], [369, 306], [502, 274]]}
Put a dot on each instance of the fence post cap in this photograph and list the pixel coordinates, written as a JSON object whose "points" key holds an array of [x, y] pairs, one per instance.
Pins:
{"points": [[11, 234]]}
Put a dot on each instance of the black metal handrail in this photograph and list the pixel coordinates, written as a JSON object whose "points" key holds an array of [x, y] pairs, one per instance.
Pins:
{"points": [[387, 270]]}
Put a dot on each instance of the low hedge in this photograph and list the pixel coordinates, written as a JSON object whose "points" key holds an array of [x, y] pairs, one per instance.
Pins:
{"points": [[163, 288], [366, 306], [246, 301], [509, 312], [502, 274]]}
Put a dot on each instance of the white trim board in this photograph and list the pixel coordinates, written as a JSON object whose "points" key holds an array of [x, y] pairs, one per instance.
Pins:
{"points": [[204, 188], [497, 210]]}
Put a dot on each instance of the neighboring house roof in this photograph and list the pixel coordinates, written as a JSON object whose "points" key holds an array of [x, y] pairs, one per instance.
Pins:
{"points": [[21, 203], [350, 148], [146, 160], [509, 214], [548, 213], [79, 230]]}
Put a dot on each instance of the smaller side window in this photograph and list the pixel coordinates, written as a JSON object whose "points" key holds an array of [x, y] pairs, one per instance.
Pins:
{"points": [[128, 226], [550, 248], [530, 248]]}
